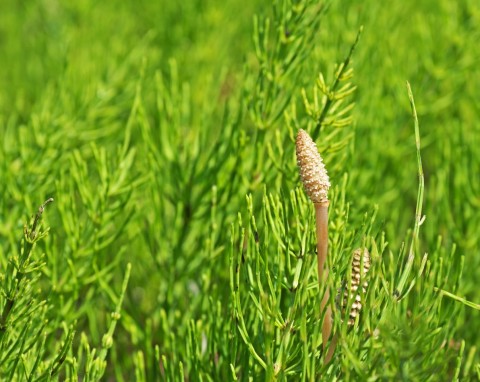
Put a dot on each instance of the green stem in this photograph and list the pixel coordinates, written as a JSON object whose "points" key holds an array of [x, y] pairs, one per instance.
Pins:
{"points": [[329, 102], [418, 209], [16, 268]]}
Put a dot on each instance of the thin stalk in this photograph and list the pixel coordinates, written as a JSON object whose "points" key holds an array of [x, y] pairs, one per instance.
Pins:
{"points": [[16, 269], [343, 67], [418, 210], [321, 215]]}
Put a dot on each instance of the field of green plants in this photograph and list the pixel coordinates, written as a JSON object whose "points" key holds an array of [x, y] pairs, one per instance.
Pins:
{"points": [[180, 244]]}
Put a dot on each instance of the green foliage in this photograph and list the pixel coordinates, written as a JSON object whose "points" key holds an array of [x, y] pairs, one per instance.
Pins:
{"points": [[182, 246], [30, 348]]}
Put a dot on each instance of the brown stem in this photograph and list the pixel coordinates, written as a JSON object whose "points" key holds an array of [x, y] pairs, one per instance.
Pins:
{"points": [[331, 349], [321, 215]]}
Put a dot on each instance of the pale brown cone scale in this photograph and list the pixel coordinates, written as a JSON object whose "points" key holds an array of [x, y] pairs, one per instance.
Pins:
{"points": [[312, 170]]}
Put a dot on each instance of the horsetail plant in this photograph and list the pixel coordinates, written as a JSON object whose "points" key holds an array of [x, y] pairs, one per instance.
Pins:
{"points": [[350, 291], [22, 317], [20, 266], [316, 183]]}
